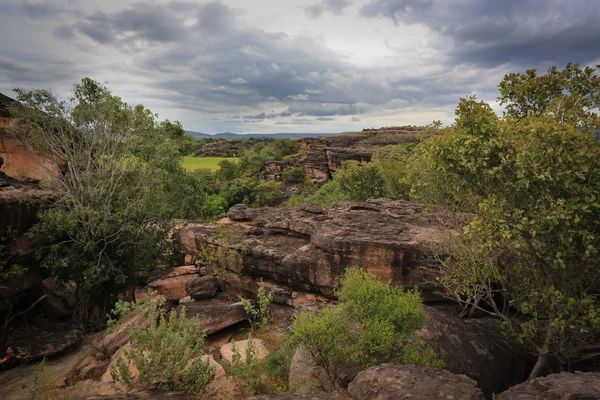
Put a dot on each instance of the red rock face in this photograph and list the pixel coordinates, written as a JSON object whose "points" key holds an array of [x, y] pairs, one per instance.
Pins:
{"points": [[305, 250], [18, 162]]}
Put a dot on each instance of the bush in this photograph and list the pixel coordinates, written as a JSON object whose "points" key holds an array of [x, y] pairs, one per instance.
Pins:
{"points": [[374, 323], [213, 206], [325, 197], [167, 354], [391, 161], [260, 315], [292, 176], [360, 182]]}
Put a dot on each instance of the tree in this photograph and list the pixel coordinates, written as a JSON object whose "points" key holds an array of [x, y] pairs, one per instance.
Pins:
{"points": [[119, 181], [531, 253], [175, 131], [571, 95], [360, 182]]}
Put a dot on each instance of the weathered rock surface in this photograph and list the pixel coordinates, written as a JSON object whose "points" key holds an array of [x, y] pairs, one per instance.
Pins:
{"points": [[388, 381], [301, 396], [172, 284], [241, 212], [202, 287], [563, 386], [37, 345], [476, 348], [298, 252], [145, 394], [242, 347], [305, 376], [215, 314]]}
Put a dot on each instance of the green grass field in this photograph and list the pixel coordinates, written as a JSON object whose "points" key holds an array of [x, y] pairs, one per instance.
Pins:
{"points": [[192, 163]]}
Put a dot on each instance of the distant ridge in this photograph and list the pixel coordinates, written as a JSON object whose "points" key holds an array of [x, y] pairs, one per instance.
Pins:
{"points": [[231, 135]]}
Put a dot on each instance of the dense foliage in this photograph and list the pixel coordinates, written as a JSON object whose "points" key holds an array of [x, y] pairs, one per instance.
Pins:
{"points": [[119, 180], [374, 323]]}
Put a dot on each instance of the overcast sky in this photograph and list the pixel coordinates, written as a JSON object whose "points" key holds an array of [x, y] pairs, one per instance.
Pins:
{"points": [[292, 66]]}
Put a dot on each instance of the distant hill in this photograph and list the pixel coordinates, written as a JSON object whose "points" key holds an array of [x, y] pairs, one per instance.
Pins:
{"points": [[230, 135]]}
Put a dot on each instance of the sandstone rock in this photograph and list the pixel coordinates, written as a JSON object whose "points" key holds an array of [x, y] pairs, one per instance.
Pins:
{"points": [[300, 251], [61, 299], [202, 287], [221, 387], [563, 386], [172, 284], [43, 344], [214, 314], [242, 346], [241, 212], [133, 371], [146, 395], [476, 348], [390, 381], [305, 375], [302, 396], [186, 300], [94, 370]]}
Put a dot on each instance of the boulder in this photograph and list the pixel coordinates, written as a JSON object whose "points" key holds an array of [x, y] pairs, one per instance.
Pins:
{"points": [[389, 381], [146, 395], [302, 396], [242, 346], [476, 348], [563, 386], [172, 283], [305, 376], [214, 314], [202, 287], [61, 298], [241, 212], [300, 251]]}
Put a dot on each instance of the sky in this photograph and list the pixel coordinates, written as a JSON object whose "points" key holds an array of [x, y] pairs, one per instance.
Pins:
{"points": [[267, 66]]}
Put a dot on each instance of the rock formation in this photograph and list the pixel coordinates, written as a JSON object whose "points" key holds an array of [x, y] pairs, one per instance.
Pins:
{"points": [[563, 386], [390, 381], [300, 253]]}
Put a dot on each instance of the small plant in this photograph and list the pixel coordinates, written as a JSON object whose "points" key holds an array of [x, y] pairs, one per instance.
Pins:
{"points": [[167, 355], [245, 373], [260, 315]]}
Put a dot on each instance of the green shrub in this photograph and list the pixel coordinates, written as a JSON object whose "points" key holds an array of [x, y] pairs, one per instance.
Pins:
{"points": [[360, 182], [245, 373], [325, 197], [260, 315], [391, 161], [167, 354], [292, 176], [374, 323], [213, 206]]}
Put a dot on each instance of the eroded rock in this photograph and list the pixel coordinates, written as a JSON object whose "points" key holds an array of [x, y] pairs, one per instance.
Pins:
{"points": [[172, 284], [302, 396], [389, 381], [242, 347], [563, 386], [202, 287], [215, 314], [300, 251]]}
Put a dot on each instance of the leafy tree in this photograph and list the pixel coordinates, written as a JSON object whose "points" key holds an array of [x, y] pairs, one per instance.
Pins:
{"points": [[285, 147], [119, 181], [175, 131], [571, 95], [391, 161], [374, 323], [533, 245], [228, 171], [360, 182]]}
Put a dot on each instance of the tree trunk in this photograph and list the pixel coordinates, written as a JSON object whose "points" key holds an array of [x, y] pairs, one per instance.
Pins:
{"points": [[540, 364]]}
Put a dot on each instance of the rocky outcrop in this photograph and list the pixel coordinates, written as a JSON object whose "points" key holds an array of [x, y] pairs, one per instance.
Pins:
{"points": [[242, 347], [476, 348], [390, 381], [201, 288], [300, 254], [563, 386], [215, 314], [172, 284], [301, 396], [146, 395]]}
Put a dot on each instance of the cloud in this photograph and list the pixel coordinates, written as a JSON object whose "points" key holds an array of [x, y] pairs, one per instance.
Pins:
{"points": [[335, 7], [491, 32]]}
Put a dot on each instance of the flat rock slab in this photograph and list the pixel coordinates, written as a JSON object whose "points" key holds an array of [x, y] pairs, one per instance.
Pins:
{"points": [[146, 394], [563, 386], [40, 345], [389, 381], [214, 314], [301, 396], [172, 284]]}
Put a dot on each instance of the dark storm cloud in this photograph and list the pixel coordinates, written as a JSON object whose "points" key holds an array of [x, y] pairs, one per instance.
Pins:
{"points": [[492, 32], [336, 7]]}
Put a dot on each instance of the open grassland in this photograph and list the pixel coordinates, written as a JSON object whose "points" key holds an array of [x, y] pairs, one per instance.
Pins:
{"points": [[191, 163]]}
